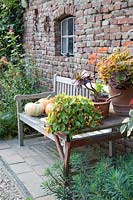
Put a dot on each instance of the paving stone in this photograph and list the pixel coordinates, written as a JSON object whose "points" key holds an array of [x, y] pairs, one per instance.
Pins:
{"points": [[36, 160], [48, 197], [7, 152], [4, 145], [28, 163], [14, 159], [33, 183], [12, 143], [25, 152], [39, 169], [20, 168]]}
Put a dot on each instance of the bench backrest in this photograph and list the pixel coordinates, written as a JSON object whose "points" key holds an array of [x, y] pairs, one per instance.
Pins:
{"points": [[66, 85]]}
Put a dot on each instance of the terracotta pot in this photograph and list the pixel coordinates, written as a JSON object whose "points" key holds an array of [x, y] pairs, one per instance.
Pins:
{"points": [[121, 102], [103, 105]]}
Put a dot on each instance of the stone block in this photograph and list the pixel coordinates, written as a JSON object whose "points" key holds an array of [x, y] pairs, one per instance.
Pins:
{"points": [[20, 168]]}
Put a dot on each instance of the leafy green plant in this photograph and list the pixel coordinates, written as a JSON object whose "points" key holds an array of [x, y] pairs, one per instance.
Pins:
{"points": [[15, 79], [16, 75], [127, 124], [11, 27], [57, 182], [72, 113], [108, 179], [112, 180]]}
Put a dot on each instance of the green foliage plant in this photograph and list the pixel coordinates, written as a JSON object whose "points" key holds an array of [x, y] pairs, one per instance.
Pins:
{"points": [[56, 181], [127, 126], [15, 79], [71, 114], [17, 75], [11, 27], [107, 180]]}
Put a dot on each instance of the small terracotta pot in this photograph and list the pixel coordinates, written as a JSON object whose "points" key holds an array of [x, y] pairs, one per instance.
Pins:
{"points": [[103, 106]]}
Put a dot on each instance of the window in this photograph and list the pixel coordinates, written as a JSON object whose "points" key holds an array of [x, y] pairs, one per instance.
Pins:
{"points": [[67, 36]]}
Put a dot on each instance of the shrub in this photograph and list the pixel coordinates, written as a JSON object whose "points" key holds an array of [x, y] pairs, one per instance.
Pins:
{"points": [[11, 27], [108, 180], [16, 76], [15, 79]]}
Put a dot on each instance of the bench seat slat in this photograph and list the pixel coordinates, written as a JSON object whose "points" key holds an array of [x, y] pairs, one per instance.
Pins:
{"points": [[35, 123]]}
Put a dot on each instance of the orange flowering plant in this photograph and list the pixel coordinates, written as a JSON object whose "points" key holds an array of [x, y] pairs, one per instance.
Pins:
{"points": [[70, 114], [116, 69]]}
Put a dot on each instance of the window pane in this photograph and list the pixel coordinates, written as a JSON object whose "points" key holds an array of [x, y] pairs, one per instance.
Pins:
{"points": [[70, 26], [64, 27], [64, 45], [70, 45]]}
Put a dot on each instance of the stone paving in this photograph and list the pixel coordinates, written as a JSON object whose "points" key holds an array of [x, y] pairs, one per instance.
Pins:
{"points": [[26, 165], [22, 168], [8, 189]]}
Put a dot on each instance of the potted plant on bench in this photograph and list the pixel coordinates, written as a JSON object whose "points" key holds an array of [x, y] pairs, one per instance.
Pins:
{"points": [[70, 114], [97, 92], [116, 70]]}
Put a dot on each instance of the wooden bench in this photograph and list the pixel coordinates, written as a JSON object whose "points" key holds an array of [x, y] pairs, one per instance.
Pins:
{"points": [[108, 131]]}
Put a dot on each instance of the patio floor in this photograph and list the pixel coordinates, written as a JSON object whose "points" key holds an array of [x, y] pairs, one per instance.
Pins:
{"points": [[22, 168]]}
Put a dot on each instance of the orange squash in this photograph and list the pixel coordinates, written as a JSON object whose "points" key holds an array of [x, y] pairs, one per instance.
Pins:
{"points": [[49, 108], [44, 101]]}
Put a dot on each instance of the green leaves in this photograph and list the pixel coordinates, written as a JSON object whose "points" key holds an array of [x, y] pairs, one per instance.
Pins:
{"points": [[127, 125], [123, 128], [131, 113], [72, 113], [107, 180]]}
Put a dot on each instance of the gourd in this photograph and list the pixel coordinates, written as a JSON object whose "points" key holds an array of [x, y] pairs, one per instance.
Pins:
{"points": [[49, 108], [34, 109], [44, 102]]}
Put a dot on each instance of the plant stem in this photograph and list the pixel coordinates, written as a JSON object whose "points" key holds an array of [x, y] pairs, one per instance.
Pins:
{"points": [[96, 94]]}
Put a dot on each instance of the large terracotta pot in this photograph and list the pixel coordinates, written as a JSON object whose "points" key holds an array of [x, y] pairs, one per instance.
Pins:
{"points": [[121, 103]]}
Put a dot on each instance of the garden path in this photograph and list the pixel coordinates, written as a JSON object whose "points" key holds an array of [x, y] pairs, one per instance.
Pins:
{"points": [[22, 168]]}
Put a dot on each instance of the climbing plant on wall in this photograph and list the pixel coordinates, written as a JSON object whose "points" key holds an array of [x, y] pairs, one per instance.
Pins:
{"points": [[16, 75], [11, 27]]}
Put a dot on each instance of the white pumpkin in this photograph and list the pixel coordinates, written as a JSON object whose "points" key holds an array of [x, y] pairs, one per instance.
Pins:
{"points": [[34, 109]]}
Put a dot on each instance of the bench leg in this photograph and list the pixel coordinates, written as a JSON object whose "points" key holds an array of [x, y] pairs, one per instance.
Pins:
{"points": [[67, 157], [59, 147], [64, 155], [111, 148], [20, 133]]}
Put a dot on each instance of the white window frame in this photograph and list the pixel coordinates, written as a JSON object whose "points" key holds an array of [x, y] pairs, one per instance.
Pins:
{"points": [[67, 37]]}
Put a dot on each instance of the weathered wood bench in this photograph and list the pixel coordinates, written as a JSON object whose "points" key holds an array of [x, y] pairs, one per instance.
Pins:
{"points": [[108, 131]]}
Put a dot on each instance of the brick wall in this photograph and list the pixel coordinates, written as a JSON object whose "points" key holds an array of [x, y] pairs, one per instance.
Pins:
{"points": [[100, 25]]}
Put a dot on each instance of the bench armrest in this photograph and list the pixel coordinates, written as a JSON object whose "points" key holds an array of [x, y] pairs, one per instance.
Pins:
{"points": [[20, 97]]}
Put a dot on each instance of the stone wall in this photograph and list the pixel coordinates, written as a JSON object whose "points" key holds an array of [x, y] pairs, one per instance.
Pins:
{"points": [[100, 25]]}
